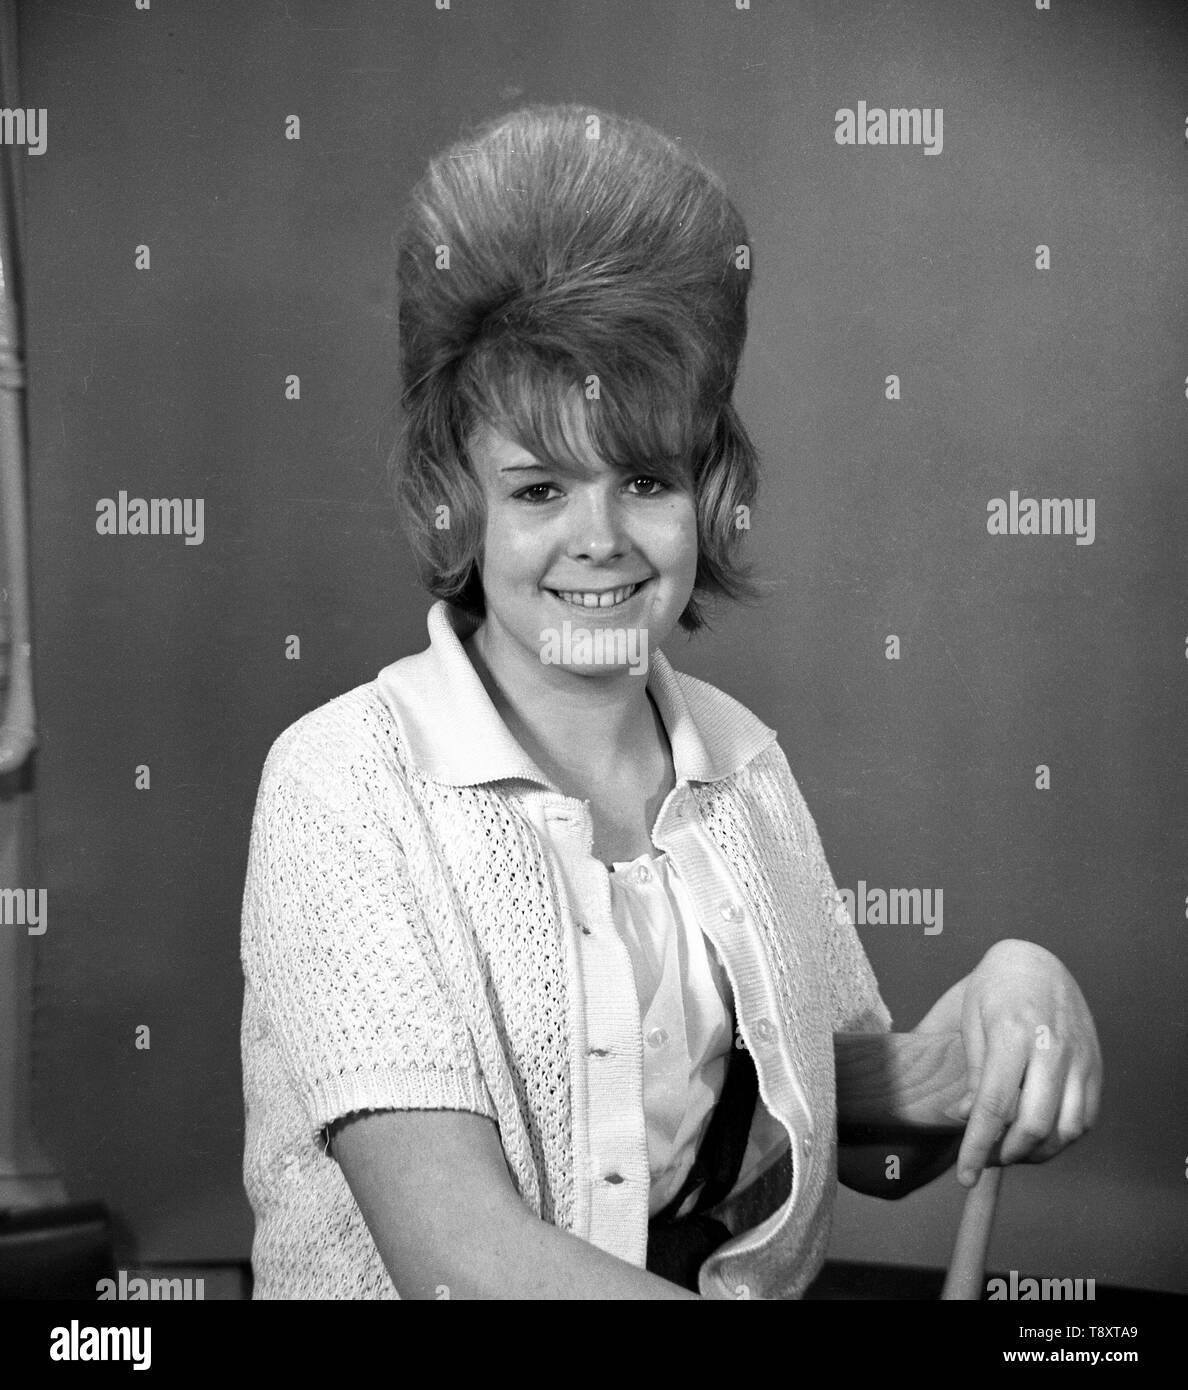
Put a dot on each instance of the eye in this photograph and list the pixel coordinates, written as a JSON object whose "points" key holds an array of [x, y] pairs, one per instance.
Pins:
{"points": [[658, 483], [525, 494]]}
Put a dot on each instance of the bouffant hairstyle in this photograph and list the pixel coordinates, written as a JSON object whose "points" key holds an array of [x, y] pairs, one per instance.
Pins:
{"points": [[563, 248]]}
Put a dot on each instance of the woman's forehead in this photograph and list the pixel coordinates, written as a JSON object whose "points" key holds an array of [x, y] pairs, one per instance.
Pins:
{"points": [[507, 447], [505, 455], [561, 433]]}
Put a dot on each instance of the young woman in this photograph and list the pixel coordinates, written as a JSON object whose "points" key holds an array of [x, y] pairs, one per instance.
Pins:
{"points": [[543, 956]]}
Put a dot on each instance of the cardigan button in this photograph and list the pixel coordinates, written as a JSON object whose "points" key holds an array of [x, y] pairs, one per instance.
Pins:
{"points": [[657, 1037], [614, 1179], [731, 911], [765, 1030], [585, 929]]}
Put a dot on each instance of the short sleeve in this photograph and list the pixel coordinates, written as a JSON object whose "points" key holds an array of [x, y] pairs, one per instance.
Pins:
{"points": [[336, 949], [857, 1004]]}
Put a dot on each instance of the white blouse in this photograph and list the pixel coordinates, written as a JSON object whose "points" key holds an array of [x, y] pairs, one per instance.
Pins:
{"points": [[685, 1006]]}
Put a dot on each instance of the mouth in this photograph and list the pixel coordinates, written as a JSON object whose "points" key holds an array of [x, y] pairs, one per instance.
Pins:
{"points": [[598, 600]]}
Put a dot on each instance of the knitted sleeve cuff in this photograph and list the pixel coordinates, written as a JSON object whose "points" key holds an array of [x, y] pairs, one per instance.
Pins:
{"points": [[391, 1088]]}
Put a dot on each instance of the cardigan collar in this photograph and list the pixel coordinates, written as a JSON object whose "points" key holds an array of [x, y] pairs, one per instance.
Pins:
{"points": [[453, 733]]}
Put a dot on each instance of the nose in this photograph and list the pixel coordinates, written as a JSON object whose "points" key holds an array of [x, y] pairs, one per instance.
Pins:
{"points": [[597, 530]]}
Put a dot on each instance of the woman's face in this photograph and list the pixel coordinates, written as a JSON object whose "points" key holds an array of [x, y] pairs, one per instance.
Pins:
{"points": [[605, 551]]}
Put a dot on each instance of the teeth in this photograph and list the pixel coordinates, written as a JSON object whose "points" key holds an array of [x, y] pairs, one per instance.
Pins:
{"points": [[604, 600]]}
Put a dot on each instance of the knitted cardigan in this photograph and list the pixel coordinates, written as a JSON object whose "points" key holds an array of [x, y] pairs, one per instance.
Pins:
{"points": [[406, 943]]}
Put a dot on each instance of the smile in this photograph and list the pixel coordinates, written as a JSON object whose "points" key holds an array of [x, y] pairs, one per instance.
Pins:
{"points": [[598, 598]]}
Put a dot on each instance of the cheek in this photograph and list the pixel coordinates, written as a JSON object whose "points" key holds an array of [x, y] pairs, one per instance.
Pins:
{"points": [[512, 548], [679, 540]]}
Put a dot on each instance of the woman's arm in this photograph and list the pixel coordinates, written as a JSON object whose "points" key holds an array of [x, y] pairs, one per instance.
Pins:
{"points": [[434, 1189], [1034, 1074]]}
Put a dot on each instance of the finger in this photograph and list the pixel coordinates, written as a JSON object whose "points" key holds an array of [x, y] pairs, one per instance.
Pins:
{"points": [[1040, 1102], [1070, 1124], [994, 1104]]}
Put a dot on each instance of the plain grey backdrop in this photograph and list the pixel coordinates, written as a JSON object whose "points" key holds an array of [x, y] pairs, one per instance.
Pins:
{"points": [[269, 257]]}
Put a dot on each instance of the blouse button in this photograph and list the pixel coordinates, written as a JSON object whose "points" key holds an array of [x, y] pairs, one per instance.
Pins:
{"points": [[657, 1037], [643, 874], [731, 911], [764, 1029]]}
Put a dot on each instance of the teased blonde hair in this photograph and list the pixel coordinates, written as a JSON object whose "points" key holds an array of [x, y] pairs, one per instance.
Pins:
{"points": [[570, 256]]}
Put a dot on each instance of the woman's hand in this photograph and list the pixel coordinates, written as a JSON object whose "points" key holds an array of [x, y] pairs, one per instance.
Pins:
{"points": [[1034, 1064]]}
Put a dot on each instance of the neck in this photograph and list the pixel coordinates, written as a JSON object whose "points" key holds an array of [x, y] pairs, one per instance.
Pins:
{"points": [[571, 726]]}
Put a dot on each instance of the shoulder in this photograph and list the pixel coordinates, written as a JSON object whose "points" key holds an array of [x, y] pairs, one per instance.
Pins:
{"points": [[743, 743], [346, 753]]}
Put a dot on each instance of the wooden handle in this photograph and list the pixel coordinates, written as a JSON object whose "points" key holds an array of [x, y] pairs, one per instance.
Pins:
{"points": [[967, 1268]]}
